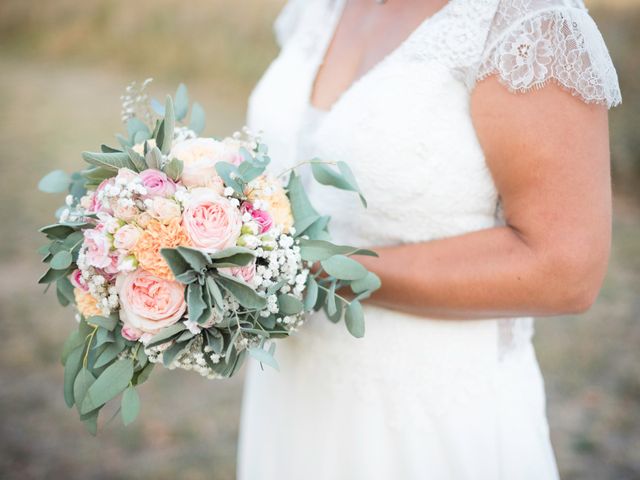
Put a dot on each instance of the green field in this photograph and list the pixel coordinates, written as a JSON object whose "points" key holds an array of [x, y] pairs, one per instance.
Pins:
{"points": [[63, 65]]}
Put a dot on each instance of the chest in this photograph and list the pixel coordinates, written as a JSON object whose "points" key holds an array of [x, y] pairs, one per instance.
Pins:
{"points": [[405, 130]]}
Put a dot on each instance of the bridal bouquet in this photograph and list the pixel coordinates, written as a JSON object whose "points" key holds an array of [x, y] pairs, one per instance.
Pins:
{"points": [[189, 252]]}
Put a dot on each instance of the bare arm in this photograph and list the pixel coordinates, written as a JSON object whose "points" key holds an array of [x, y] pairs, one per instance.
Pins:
{"points": [[549, 156]]}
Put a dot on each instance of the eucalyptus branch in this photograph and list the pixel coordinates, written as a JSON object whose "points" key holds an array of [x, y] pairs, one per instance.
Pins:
{"points": [[90, 336], [306, 162], [347, 302]]}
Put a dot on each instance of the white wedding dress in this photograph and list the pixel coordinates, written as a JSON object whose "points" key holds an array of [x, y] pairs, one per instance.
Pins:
{"points": [[416, 398]]}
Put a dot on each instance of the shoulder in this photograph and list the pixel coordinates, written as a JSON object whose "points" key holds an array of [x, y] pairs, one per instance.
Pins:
{"points": [[532, 42], [300, 15]]}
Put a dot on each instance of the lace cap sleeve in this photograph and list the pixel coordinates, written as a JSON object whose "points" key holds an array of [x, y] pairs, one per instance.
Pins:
{"points": [[561, 44], [286, 21]]}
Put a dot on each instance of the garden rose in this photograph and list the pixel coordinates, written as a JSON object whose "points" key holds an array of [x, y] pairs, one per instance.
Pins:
{"points": [[211, 220], [199, 156], [130, 333], [126, 176], [157, 183], [149, 303], [126, 237], [270, 191], [164, 209], [261, 217], [97, 246], [77, 281], [245, 273]]}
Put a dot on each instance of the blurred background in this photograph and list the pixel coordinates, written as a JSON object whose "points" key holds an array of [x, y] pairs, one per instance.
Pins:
{"points": [[63, 66]]}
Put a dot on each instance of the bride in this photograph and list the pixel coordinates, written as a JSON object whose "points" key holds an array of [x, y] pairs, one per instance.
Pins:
{"points": [[477, 129]]}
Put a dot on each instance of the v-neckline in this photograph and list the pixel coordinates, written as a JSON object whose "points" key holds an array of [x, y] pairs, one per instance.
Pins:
{"points": [[336, 17]]}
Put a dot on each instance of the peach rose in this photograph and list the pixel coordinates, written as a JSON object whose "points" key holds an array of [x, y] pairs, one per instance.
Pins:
{"points": [[211, 220], [147, 303], [164, 209], [126, 237], [199, 156]]}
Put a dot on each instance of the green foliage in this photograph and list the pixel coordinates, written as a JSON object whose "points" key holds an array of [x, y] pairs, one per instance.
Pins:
{"points": [[130, 405], [55, 182], [108, 385]]}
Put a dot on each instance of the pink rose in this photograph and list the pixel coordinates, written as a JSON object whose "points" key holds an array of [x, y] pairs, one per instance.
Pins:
{"points": [[157, 183], [77, 281], [97, 246], [164, 209], [211, 221], [245, 273], [199, 157], [130, 333], [91, 201], [149, 303], [261, 217], [126, 237]]}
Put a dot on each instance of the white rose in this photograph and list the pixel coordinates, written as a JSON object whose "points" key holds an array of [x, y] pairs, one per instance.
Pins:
{"points": [[164, 209], [199, 156]]}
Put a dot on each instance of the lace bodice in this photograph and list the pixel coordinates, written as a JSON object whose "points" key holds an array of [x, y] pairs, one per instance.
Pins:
{"points": [[405, 128]]}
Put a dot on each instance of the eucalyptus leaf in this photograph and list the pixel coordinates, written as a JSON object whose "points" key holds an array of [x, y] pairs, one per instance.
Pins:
{"points": [[71, 368], [109, 384], [108, 355], [316, 250], [354, 319], [108, 323], [198, 118], [61, 260], [300, 204], [129, 405], [135, 125], [57, 181], [182, 102], [344, 268], [229, 174], [83, 381], [311, 294], [370, 282], [289, 305], [263, 356], [73, 341], [168, 127]]}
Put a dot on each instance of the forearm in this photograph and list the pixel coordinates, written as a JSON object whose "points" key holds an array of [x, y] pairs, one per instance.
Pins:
{"points": [[485, 274]]}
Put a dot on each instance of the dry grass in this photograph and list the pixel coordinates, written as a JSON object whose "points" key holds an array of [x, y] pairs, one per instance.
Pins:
{"points": [[63, 66]]}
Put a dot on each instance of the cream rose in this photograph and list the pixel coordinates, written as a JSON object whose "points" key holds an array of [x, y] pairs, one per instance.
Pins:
{"points": [[164, 209], [126, 237], [199, 156], [211, 220], [149, 303]]}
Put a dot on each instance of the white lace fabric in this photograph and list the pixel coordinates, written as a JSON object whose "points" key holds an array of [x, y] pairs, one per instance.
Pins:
{"points": [[533, 42]]}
